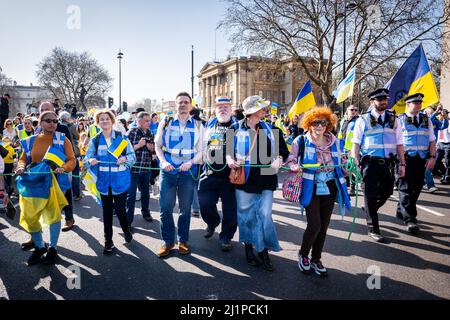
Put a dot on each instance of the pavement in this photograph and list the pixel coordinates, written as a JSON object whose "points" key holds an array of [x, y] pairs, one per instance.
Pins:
{"points": [[407, 267]]}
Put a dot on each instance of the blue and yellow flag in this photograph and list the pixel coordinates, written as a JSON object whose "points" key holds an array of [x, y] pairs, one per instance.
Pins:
{"points": [[55, 156], [117, 146], [305, 101], [414, 76], [345, 88], [274, 108], [90, 182], [41, 199]]}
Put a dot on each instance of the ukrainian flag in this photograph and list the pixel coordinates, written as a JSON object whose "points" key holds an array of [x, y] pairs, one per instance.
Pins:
{"points": [[274, 108], [55, 156], [117, 146], [305, 101], [41, 199], [345, 88], [414, 76], [90, 182]]}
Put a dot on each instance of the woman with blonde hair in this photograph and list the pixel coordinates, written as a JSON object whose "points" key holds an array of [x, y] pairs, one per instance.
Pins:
{"points": [[323, 182], [112, 168]]}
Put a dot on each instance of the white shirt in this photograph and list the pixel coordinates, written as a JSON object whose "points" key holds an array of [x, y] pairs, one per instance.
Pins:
{"points": [[10, 135], [430, 126], [444, 135], [358, 132]]}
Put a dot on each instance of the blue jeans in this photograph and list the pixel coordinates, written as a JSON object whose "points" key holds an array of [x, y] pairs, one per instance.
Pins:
{"points": [[143, 179], [173, 185], [256, 227], [429, 182], [195, 204]]}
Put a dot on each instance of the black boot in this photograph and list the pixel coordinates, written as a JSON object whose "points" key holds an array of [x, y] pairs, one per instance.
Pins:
{"points": [[266, 263], [251, 259]]}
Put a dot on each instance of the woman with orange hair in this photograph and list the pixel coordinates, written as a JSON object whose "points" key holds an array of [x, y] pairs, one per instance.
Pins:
{"points": [[322, 182]]}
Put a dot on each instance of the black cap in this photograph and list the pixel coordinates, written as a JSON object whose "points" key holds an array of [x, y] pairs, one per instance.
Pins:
{"points": [[140, 110], [7, 95], [379, 93], [417, 97]]}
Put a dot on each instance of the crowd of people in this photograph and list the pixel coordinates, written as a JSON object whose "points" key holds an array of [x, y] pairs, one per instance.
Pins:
{"points": [[234, 156]]}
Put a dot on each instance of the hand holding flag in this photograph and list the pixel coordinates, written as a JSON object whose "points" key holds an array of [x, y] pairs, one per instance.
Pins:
{"points": [[117, 147], [55, 156]]}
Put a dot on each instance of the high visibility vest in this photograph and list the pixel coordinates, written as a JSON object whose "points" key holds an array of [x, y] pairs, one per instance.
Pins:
{"points": [[58, 142], [243, 141], [179, 147], [310, 157], [108, 173], [346, 133], [93, 130], [378, 140], [415, 140]]}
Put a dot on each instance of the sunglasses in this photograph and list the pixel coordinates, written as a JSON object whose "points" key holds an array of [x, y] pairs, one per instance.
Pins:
{"points": [[353, 109], [316, 123], [55, 121]]}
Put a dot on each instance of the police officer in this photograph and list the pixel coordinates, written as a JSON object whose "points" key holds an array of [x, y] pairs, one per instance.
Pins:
{"points": [[215, 182], [420, 153], [377, 137], [345, 135]]}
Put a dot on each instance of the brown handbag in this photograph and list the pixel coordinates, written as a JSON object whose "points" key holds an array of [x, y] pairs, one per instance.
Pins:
{"points": [[237, 175]]}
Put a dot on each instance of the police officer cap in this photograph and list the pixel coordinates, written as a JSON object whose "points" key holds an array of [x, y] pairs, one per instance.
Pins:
{"points": [[379, 93], [417, 97]]}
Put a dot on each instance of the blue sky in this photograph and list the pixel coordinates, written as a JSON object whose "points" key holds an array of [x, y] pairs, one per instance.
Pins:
{"points": [[154, 35]]}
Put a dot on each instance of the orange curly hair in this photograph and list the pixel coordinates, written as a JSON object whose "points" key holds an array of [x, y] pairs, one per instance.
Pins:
{"points": [[319, 113]]}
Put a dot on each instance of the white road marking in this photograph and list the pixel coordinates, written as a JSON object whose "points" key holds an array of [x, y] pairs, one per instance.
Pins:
{"points": [[424, 209]]}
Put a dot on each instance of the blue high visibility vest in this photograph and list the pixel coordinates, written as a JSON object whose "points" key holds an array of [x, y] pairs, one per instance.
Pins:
{"points": [[310, 157], [243, 141], [415, 140], [179, 147], [109, 174], [378, 140], [58, 143]]}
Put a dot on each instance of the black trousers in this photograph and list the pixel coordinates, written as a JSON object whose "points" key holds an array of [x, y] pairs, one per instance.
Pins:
{"points": [[318, 216], [409, 188], [210, 190], [378, 186], [116, 203]]}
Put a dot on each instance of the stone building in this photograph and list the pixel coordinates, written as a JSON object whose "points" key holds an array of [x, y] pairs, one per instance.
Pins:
{"points": [[276, 80]]}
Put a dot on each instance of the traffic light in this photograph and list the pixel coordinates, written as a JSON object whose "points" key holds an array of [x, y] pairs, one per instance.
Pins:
{"points": [[125, 106], [110, 102]]}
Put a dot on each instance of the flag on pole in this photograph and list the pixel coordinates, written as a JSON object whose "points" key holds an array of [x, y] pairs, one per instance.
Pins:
{"points": [[345, 88], [305, 101], [414, 76], [274, 108], [55, 156], [117, 146]]}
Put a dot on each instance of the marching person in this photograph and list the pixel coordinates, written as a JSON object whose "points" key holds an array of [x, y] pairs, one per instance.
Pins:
{"points": [[321, 187], [68, 210], [141, 139], [377, 138], [214, 181], [113, 173], [34, 152], [345, 135], [179, 147], [256, 143], [420, 154]]}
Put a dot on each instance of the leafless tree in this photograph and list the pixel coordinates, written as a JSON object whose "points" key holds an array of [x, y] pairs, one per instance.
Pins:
{"points": [[380, 33], [63, 73]]}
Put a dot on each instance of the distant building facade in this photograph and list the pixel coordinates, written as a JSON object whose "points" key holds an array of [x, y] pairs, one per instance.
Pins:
{"points": [[238, 78], [27, 98]]}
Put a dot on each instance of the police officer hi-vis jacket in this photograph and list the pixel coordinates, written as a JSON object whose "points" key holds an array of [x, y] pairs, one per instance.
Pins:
{"points": [[420, 148], [377, 140]]}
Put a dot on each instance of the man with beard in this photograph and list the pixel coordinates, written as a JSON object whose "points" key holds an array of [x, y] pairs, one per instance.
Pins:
{"points": [[214, 182], [377, 138]]}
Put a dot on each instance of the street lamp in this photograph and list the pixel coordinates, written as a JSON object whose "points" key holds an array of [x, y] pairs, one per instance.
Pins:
{"points": [[350, 6], [120, 56]]}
